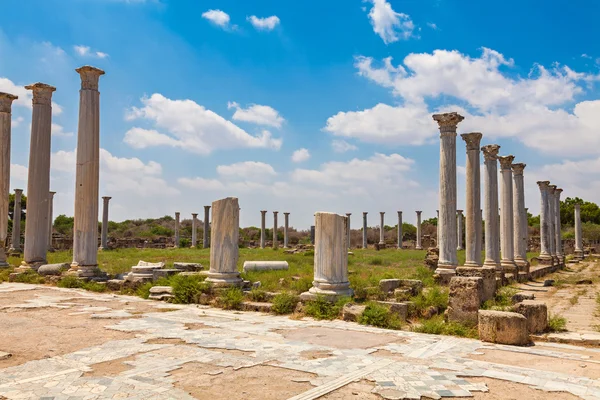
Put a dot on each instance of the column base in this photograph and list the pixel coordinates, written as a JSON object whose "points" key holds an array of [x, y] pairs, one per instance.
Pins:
{"points": [[561, 259], [579, 254], [26, 266], [545, 260], [443, 275], [418, 247], [509, 266], [522, 265], [84, 271], [329, 291], [491, 263], [459, 248], [472, 264], [224, 279], [13, 250]]}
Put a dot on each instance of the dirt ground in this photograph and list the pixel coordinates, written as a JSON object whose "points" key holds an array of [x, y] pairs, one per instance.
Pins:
{"points": [[503, 390], [332, 338]]}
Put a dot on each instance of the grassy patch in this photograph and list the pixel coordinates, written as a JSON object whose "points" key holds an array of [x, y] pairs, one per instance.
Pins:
{"points": [[557, 323], [30, 276], [258, 295], [187, 289], [502, 300], [5, 273], [435, 296], [284, 303], [379, 315], [437, 326], [320, 308], [231, 299]]}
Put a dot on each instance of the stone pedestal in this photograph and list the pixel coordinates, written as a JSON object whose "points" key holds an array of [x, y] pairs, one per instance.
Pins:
{"points": [[331, 258], [286, 225], [224, 247], [194, 228], [364, 231], [50, 220], [472, 199], [507, 250], [206, 233], [104, 235], [447, 222], [177, 215], [382, 228], [38, 182], [459, 225], [558, 229], [275, 227], [490, 204], [545, 258], [419, 245], [520, 219], [5, 140], [263, 234], [578, 235], [399, 229], [15, 244], [348, 239]]}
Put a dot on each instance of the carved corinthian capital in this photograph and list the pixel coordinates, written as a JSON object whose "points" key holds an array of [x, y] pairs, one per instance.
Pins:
{"points": [[42, 93], [505, 161], [6, 100], [490, 152], [472, 140]]}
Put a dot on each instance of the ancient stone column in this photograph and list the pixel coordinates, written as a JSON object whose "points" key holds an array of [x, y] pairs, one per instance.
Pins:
{"points": [[552, 223], [382, 228], [5, 138], [275, 241], [447, 223], [558, 230], [50, 219], [38, 181], [177, 229], [472, 199], [312, 235], [194, 235], [490, 206], [507, 249], [364, 232], [399, 229], [459, 223], [578, 233], [263, 234], [331, 258], [206, 233], [419, 246], [15, 245], [224, 243], [348, 216], [545, 258], [520, 218], [104, 233], [286, 223], [437, 239], [479, 241]]}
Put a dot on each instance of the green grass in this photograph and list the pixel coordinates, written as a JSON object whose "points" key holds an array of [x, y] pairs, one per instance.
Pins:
{"points": [[231, 299], [437, 326], [502, 301], [284, 303], [435, 296], [557, 323], [376, 314], [75, 283], [320, 308], [30, 276]]}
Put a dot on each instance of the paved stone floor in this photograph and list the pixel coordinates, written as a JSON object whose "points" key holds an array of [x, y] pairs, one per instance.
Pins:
{"points": [[325, 355]]}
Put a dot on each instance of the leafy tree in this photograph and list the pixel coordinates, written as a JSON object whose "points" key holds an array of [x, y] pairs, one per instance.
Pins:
{"points": [[409, 231], [431, 221], [590, 212], [64, 224]]}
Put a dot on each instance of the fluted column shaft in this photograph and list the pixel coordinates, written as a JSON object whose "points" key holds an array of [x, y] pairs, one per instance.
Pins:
{"points": [[50, 219], [5, 140], [206, 233], [348, 239], [194, 228], [399, 229], [104, 234], [38, 182], [472, 199], [15, 245], [419, 245], [552, 223], [545, 255], [437, 213], [578, 233], [177, 237], [224, 249], [364, 232], [520, 217], [263, 234], [286, 222], [559, 247], [490, 206], [507, 249], [275, 241], [459, 226], [382, 228]]}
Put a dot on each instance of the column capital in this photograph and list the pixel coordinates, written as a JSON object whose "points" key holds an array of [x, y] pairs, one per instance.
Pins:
{"points": [[42, 93], [6, 100], [506, 162], [577, 206], [558, 191], [286, 213], [348, 214], [194, 215], [459, 211], [106, 198], [177, 213], [473, 140], [551, 189], [51, 194], [543, 184], [89, 76], [18, 191], [399, 212], [518, 168], [207, 207], [365, 212], [490, 152], [418, 212], [275, 212], [381, 212], [263, 212], [447, 122]]}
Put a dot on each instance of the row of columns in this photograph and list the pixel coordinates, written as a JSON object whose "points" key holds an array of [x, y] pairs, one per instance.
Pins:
{"points": [[550, 226], [206, 237], [286, 226]]}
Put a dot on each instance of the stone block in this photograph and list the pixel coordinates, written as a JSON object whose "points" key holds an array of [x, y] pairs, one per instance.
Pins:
{"points": [[389, 285], [536, 313], [488, 274], [503, 327], [115, 284], [184, 266], [352, 312], [464, 299], [164, 273], [256, 306], [548, 282], [53, 269], [519, 297], [400, 309], [265, 265], [150, 265], [161, 289]]}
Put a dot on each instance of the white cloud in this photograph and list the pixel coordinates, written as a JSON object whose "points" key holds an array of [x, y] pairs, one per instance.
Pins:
{"points": [[246, 169], [24, 96], [86, 51], [433, 26], [341, 146], [201, 183], [59, 131], [191, 127], [219, 18], [300, 155], [266, 24], [391, 26], [18, 172], [257, 114], [17, 121], [100, 54]]}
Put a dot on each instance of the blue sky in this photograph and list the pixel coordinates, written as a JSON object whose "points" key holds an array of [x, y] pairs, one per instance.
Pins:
{"points": [[305, 106]]}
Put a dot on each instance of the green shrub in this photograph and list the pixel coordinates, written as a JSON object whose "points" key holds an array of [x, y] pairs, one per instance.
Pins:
{"points": [[425, 275], [29, 276], [502, 300], [320, 308], [94, 286], [379, 315], [187, 289], [184, 243], [301, 285], [258, 295], [143, 291], [70, 281], [374, 293], [557, 323], [284, 303], [360, 289], [434, 296], [437, 326], [231, 299], [377, 261], [5, 273]]}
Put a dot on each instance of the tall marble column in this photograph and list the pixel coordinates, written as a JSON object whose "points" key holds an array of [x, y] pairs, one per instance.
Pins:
{"points": [[552, 223], [348, 216], [331, 258], [364, 232], [15, 243], [177, 229], [507, 249], [206, 233], [545, 258], [479, 242], [50, 220], [104, 233], [194, 228], [263, 233], [490, 206], [419, 245], [224, 249], [520, 218], [578, 233], [447, 223], [382, 228], [275, 227], [312, 234], [87, 175], [437, 233], [286, 225], [459, 226], [473, 199], [38, 182], [5, 139], [558, 230], [399, 229]]}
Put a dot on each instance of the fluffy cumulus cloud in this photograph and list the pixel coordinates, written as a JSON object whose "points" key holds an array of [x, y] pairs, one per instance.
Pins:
{"points": [[257, 114], [390, 25], [187, 125], [59, 131], [535, 109], [341, 146], [300, 155], [24, 96], [264, 24], [218, 18], [86, 51], [247, 170]]}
